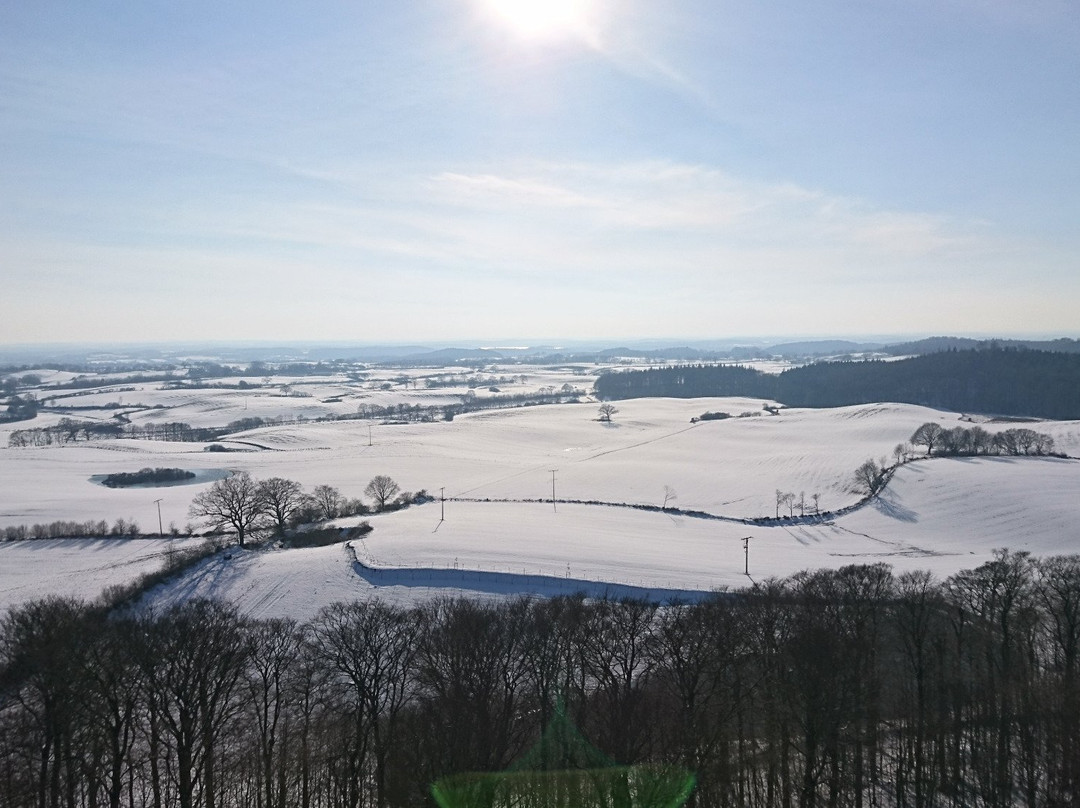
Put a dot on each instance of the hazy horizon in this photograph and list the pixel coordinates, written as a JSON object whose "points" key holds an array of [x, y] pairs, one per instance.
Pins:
{"points": [[317, 350]]}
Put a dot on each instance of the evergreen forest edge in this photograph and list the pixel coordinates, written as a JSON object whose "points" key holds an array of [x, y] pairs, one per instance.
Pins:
{"points": [[1012, 382]]}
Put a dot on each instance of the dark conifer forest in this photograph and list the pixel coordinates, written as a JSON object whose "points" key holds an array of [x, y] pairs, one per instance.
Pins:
{"points": [[1011, 382], [854, 687]]}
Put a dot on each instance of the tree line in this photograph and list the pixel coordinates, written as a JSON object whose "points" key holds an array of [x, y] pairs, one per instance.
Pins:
{"points": [[957, 441], [975, 440], [828, 689], [20, 408], [246, 505], [242, 504], [70, 430], [1011, 381]]}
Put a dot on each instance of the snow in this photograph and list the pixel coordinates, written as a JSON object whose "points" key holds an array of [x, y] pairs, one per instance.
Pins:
{"points": [[937, 514], [78, 568], [941, 515]]}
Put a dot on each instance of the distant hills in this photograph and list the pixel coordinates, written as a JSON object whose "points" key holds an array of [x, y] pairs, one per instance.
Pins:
{"points": [[88, 358]]}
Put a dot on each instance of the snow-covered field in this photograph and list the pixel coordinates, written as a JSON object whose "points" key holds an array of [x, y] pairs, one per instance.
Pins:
{"points": [[79, 568], [942, 515], [939, 514]]}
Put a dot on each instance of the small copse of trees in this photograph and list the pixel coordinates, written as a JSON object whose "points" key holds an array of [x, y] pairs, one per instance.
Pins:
{"points": [[146, 476], [245, 505], [975, 440], [711, 416]]}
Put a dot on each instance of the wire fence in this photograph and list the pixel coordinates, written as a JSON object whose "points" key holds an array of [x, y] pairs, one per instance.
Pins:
{"points": [[530, 578]]}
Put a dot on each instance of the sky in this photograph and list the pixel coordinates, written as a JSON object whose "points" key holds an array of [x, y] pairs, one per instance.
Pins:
{"points": [[508, 169]]}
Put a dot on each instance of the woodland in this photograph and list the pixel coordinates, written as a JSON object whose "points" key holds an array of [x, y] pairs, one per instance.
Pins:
{"points": [[850, 687], [1003, 381]]}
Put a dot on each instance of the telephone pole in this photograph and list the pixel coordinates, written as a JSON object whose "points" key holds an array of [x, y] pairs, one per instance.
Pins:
{"points": [[159, 530], [746, 555], [553, 490]]}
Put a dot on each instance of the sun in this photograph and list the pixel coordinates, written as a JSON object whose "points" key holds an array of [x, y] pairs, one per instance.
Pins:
{"points": [[544, 19]]}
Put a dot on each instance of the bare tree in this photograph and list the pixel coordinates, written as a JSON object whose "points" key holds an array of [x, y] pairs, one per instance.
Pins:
{"points": [[370, 651], [981, 441], [789, 502], [606, 411], [327, 501], [282, 499], [869, 478], [234, 501], [271, 683], [193, 658], [669, 496], [381, 489], [928, 435]]}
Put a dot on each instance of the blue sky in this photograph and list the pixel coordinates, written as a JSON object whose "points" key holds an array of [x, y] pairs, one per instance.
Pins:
{"points": [[452, 169]]}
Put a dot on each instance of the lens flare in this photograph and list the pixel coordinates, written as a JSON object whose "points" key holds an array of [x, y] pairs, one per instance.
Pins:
{"points": [[544, 19]]}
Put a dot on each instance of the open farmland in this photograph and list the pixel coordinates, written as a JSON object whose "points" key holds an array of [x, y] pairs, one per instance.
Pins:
{"points": [[497, 468]]}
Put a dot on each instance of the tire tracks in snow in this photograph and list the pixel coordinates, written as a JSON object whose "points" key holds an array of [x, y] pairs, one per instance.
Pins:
{"points": [[900, 548]]}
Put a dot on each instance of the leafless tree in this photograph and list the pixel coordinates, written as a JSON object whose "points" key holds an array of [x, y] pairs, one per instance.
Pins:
{"points": [[282, 499], [785, 499], [327, 500], [382, 489], [194, 656], [234, 501], [40, 647], [868, 479], [928, 435], [270, 686], [370, 649], [607, 411]]}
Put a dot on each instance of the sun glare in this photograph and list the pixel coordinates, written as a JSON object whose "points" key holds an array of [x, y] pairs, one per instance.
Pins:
{"points": [[544, 19]]}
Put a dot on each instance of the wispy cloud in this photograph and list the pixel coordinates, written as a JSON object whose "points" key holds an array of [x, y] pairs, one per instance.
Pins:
{"points": [[646, 200]]}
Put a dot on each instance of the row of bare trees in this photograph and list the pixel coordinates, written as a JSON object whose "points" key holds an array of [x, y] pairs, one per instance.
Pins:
{"points": [[975, 440], [787, 499], [828, 689], [245, 505], [870, 477]]}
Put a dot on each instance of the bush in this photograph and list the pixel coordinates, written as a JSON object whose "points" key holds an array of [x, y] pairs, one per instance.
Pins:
{"points": [[328, 535], [176, 562], [711, 416]]}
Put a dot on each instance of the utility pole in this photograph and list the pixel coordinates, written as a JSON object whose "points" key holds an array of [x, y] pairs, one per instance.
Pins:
{"points": [[369, 434], [159, 530], [553, 490], [746, 555], [442, 504]]}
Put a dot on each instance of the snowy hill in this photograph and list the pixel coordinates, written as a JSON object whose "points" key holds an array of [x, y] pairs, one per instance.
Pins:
{"points": [[496, 469]]}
